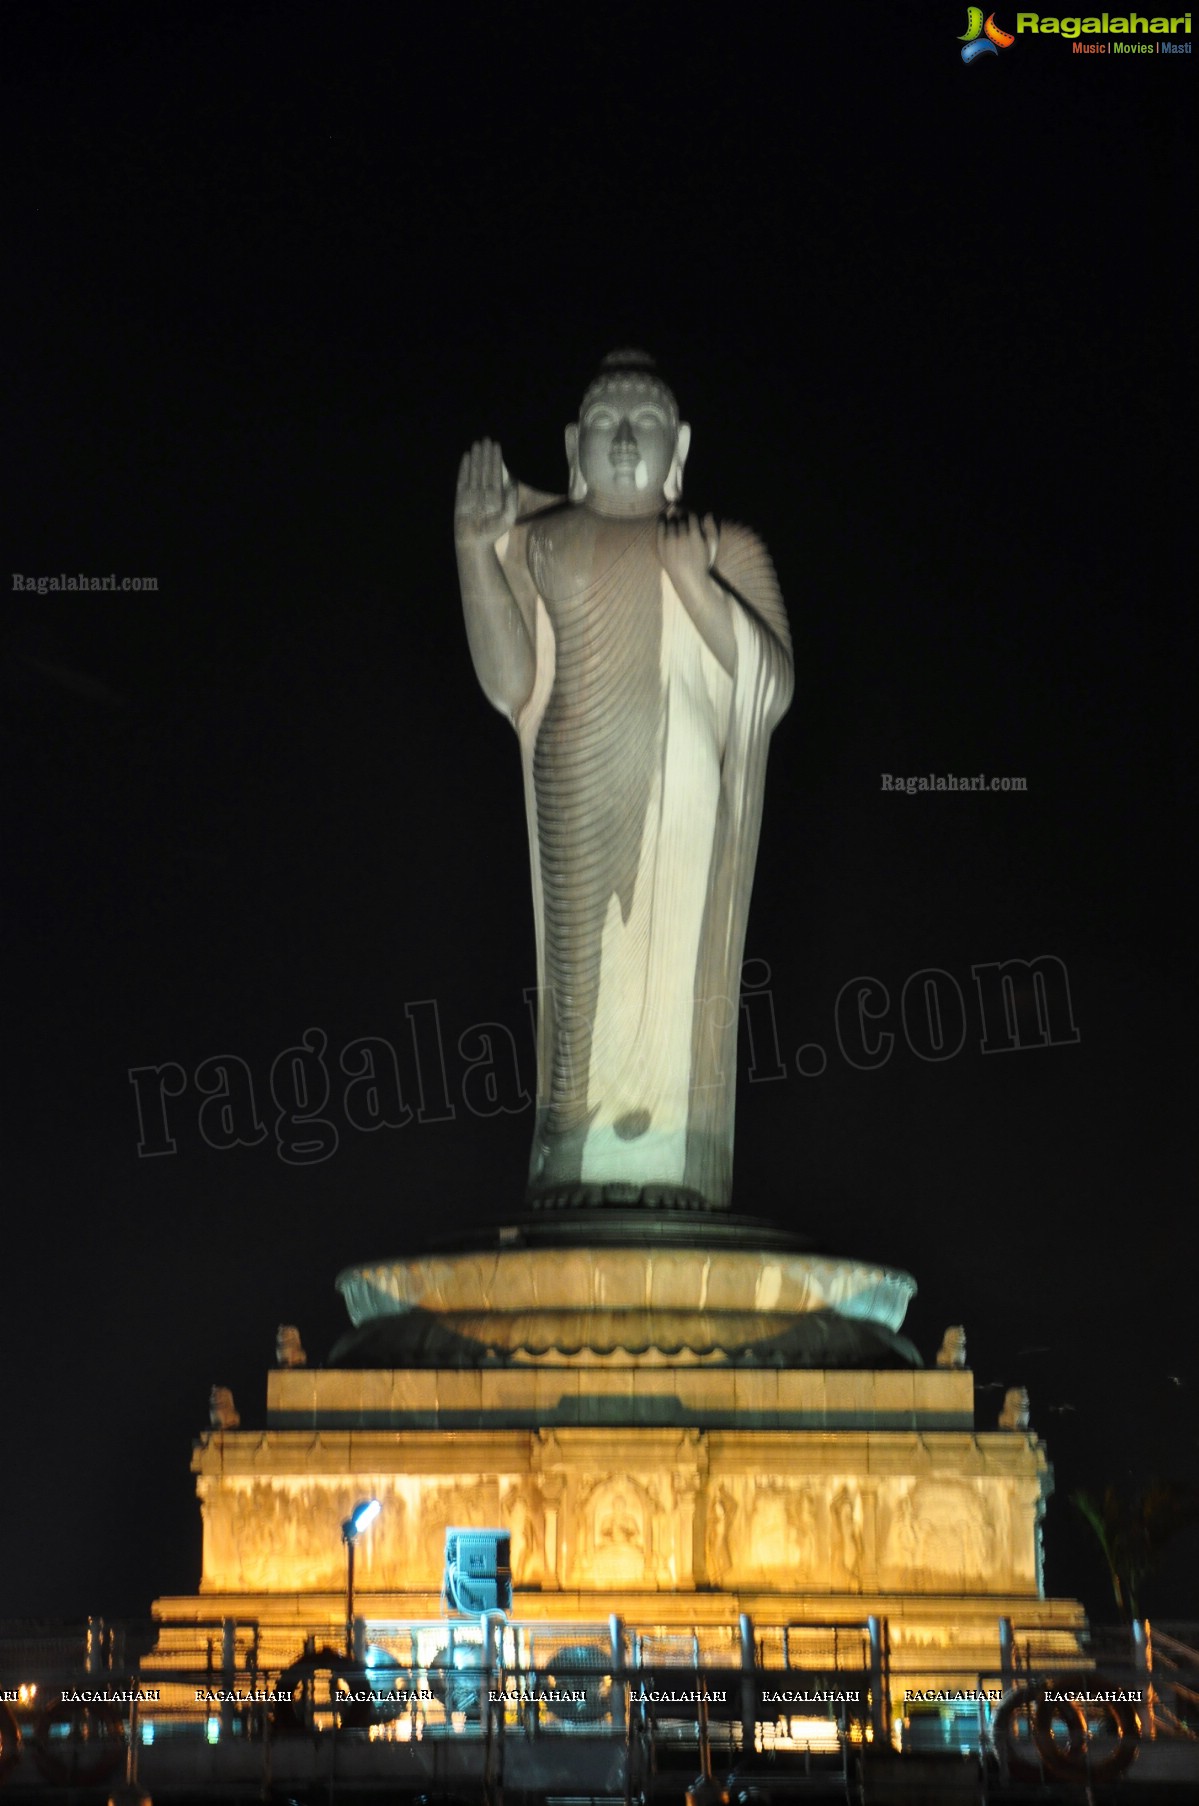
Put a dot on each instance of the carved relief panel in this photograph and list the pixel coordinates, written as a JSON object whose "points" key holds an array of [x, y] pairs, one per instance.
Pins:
{"points": [[785, 1532], [945, 1534]]}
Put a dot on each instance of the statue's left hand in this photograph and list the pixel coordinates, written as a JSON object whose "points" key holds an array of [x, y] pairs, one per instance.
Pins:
{"points": [[687, 547]]}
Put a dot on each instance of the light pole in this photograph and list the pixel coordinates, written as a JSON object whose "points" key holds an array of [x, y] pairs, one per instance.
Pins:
{"points": [[364, 1513]]}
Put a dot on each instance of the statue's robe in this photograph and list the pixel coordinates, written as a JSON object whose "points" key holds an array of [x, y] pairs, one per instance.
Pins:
{"points": [[644, 769]]}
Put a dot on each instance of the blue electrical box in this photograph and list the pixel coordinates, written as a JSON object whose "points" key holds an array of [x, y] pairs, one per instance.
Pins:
{"points": [[478, 1570]]}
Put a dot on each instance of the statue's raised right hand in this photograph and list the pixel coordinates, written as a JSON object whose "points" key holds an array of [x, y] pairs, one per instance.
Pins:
{"points": [[485, 506]]}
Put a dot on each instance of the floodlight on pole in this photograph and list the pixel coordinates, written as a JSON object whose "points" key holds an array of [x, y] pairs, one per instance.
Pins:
{"points": [[364, 1513]]}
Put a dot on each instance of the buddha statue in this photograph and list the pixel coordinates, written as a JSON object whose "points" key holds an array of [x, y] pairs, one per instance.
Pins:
{"points": [[643, 657]]}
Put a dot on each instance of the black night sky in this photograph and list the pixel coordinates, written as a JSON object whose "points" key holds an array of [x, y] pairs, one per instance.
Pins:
{"points": [[271, 268]]}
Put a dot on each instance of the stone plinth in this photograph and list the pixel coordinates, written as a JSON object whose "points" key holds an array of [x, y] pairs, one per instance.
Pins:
{"points": [[887, 1504], [843, 1483], [650, 1422]]}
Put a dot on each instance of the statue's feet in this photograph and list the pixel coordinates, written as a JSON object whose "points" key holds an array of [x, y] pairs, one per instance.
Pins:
{"points": [[577, 1195]]}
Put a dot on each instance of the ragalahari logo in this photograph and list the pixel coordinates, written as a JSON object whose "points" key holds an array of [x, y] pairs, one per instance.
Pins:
{"points": [[981, 39]]}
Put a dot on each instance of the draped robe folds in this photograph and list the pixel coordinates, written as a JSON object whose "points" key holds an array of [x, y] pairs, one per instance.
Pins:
{"points": [[644, 767]]}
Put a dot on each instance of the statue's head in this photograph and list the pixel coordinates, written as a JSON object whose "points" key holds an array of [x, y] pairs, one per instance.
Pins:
{"points": [[627, 449]]}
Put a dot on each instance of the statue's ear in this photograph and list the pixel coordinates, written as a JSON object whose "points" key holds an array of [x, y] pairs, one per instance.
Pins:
{"points": [[578, 485], [672, 488]]}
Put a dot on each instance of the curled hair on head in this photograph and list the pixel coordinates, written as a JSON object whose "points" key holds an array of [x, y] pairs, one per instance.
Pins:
{"points": [[635, 371]]}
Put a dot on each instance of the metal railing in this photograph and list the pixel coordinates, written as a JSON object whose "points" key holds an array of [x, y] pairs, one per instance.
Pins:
{"points": [[621, 1710]]}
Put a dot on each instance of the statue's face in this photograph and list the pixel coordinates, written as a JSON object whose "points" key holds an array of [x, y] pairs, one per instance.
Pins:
{"points": [[627, 442]]}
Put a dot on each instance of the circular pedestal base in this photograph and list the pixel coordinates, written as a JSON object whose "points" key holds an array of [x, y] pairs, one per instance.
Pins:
{"points": [[549, 1289]]}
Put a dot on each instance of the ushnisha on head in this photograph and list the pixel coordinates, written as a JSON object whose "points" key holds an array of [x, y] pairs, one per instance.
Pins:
{"points": [[627, 449]]}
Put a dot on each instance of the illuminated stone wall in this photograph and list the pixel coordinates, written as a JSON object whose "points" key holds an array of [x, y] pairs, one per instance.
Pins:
{"points": [[599, 1511]]}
